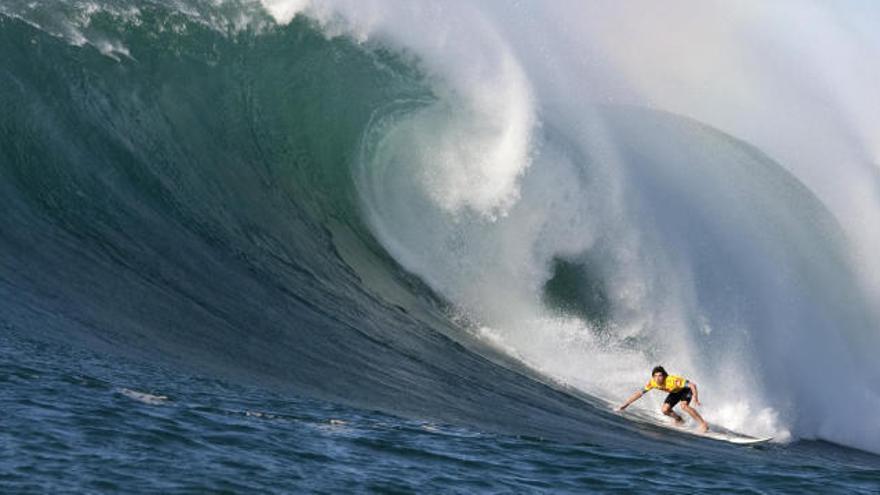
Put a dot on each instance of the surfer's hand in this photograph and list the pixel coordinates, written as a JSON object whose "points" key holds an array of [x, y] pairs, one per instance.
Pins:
{"points": [[697, 402]]}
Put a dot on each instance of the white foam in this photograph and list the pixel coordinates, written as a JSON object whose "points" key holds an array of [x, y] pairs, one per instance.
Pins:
{"points": [[471, 146], [151, 399]]}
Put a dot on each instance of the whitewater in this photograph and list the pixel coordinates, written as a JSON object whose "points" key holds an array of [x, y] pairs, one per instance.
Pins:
{"points": [[432, 244]]}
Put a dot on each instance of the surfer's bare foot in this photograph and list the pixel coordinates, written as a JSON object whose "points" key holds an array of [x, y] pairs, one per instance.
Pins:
{"points": [[704, 427]]}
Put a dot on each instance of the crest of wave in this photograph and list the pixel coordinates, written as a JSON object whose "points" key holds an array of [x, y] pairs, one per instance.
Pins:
{"points": [[509, 174]]}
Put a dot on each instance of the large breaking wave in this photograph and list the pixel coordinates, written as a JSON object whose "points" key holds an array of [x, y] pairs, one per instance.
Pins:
{"points": [[398, 206]]}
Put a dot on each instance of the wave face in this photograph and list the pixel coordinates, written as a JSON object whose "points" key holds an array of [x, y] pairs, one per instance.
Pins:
{"points": [[440, 210]]}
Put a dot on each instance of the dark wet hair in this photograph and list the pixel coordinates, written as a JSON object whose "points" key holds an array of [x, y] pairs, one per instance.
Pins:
{"points": [[659, 369]]}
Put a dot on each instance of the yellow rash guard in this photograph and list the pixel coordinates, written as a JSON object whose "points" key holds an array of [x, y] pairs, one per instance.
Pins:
{"points": [[672, 384]]}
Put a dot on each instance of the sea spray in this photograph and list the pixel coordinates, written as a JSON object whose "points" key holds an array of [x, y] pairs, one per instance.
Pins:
{"points": [[710, 254]]}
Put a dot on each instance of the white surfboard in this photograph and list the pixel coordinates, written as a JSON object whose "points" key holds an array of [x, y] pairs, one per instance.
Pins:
{"points": [[736, 438], [714, 433]]}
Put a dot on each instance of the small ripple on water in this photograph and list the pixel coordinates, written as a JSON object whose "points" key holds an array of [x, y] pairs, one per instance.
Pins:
{"points": [[150, 399]]}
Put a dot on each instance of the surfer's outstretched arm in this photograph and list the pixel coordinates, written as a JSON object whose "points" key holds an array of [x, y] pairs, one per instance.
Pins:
{"points": [[634, 397]]}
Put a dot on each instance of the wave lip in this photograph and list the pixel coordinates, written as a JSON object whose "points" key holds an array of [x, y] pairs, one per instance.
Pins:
{"points": [[194, 203]]}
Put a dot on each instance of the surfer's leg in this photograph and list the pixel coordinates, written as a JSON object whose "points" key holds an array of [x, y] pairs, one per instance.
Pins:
{"points": [[667, 410], [670, 402], [704, 426]]}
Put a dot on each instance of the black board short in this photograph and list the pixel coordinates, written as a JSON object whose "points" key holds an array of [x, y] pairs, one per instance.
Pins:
{"points": [[684, 395]]}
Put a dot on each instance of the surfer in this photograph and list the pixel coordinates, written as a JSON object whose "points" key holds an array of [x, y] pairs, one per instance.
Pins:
{"points": [[680, 390]]}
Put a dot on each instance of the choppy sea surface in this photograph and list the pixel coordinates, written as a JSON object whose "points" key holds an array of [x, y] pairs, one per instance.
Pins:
{"points": [[77, 422]]}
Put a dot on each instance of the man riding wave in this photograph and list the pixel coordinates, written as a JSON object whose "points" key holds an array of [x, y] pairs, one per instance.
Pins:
{"points": [[681, 390]]}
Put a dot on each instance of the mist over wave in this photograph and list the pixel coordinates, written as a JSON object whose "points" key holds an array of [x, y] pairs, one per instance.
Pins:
{"points": [[630, 237], [590, 189]]}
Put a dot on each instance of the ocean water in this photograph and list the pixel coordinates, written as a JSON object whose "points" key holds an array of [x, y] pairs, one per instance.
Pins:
{"points": [[331, 246], [79, 422]]}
